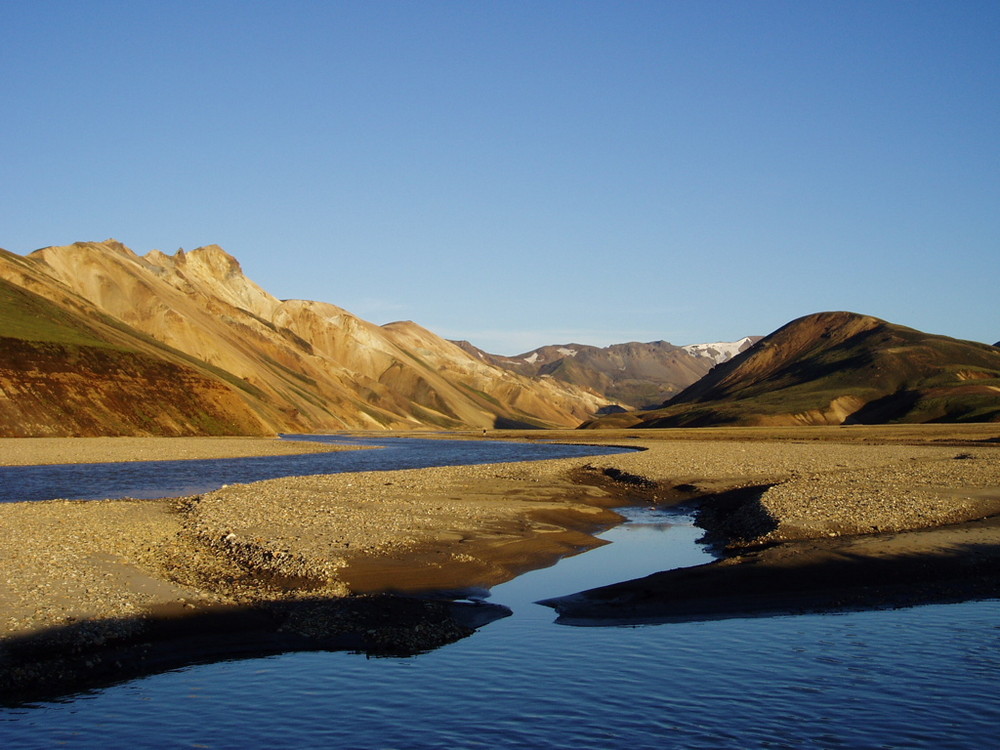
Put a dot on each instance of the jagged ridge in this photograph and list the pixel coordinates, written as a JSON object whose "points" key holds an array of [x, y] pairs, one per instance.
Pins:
{"points": [[278, 365]]}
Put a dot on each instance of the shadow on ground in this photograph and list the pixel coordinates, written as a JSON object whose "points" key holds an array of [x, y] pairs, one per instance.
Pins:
{"points": [[93, 654]]}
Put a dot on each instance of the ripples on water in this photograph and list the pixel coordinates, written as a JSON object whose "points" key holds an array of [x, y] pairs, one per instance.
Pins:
{"points": [[926, 677], [921, 678]]}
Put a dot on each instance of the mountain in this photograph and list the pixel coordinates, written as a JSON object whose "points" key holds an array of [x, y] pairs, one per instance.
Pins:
{"points": [[723, 351], [98, 340], [67, 369], [634, 374], [839, 368]]}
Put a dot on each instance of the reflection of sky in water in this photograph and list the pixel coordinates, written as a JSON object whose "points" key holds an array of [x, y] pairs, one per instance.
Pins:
{"points": [[923, 677], [634, 549]]}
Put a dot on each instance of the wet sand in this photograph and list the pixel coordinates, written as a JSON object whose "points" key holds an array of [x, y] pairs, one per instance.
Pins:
{"points": [[119, 584]]}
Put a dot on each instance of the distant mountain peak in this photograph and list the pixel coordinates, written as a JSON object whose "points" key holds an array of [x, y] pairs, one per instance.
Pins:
{"points": [[721, 351], [635, 374]]}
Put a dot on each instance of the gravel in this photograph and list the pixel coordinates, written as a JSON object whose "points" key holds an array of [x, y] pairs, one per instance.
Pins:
{"points": [[98, 571]]}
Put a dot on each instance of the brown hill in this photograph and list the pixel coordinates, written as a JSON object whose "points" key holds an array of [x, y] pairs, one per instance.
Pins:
{"points": [[837, 368], [282, 365], [638, 375]]}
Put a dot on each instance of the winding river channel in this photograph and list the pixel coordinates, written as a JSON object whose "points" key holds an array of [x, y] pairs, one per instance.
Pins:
{"points": [[925, 677]]}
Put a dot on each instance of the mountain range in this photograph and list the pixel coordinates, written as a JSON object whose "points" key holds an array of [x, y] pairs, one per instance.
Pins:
{"points": [[97, 340], [635, 374], [838, 368]]}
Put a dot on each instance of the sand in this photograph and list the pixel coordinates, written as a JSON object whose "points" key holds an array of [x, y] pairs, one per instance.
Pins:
{"points": [[103, 590]]}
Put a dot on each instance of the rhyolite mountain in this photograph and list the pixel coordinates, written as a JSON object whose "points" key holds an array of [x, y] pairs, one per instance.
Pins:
{"points": [[838, 368], [97, 340], [637, 375], [66, 369]]}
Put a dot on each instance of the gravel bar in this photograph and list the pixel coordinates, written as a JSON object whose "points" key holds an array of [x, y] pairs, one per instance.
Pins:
{"points": [[92, 575]]}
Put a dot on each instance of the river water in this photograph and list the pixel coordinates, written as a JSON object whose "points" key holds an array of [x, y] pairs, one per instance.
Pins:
{"points": [[152, 479], [925, 677]]}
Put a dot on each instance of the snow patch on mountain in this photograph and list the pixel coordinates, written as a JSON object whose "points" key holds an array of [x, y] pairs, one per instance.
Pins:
{"points": [[720, 351], [567, 352]]}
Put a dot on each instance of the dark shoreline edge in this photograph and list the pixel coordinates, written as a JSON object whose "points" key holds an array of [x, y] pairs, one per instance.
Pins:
{"points": [[825, 575], [90, 655]]}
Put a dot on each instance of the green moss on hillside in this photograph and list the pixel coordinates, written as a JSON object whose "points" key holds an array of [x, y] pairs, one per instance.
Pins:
{"points": [[29, 317]]}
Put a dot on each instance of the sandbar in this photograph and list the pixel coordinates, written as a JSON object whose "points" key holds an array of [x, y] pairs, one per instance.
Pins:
{"points": [[103, 590]]}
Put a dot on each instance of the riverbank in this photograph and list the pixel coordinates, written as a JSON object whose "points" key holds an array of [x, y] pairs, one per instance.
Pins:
{"points": [[909, 518], [296, 537], [269, 565], [103, 590]]}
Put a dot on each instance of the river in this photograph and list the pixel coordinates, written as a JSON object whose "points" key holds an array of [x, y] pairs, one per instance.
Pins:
{"points": [[925, 677], [152, 479]]}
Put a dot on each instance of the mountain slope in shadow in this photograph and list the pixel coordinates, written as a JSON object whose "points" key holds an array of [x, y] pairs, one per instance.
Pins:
{"points": [[838, 368]]}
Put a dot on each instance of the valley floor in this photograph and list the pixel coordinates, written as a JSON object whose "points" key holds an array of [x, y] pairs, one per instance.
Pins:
{"points": [[807, 518]]}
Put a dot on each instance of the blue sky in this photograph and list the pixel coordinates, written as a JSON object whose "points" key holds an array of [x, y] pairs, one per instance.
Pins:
{"points": [[527, 173]]}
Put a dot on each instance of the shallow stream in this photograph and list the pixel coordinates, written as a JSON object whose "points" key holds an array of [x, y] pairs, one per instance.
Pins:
{"points": [[926, 677]]}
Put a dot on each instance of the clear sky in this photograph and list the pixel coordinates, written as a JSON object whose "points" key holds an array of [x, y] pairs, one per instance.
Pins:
{"points": [[527, 173]]}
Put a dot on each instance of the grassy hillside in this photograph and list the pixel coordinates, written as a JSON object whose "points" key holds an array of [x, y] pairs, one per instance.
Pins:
{"points": [[59, 375], [28, 317]]}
